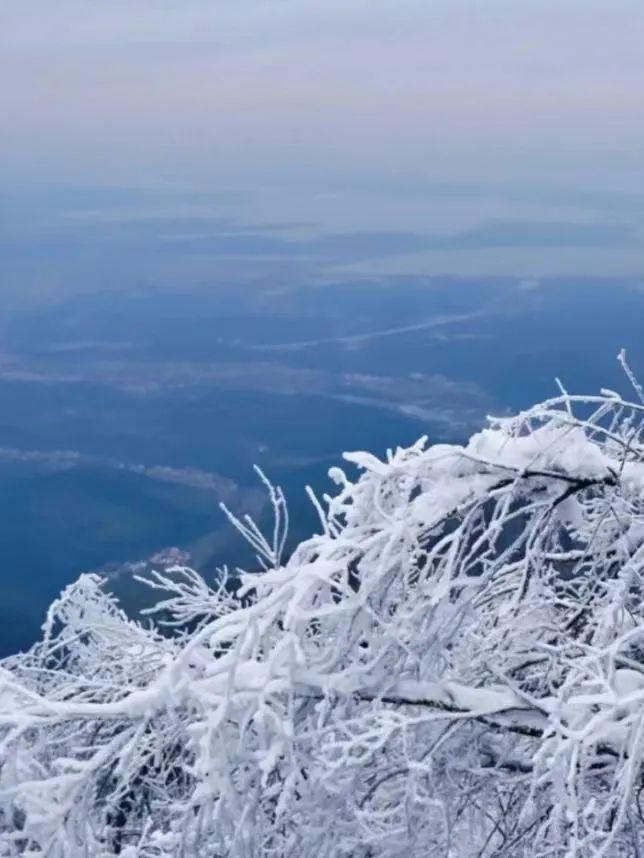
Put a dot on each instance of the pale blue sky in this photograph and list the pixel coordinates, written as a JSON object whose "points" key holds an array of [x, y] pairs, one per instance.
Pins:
{"points": [[540, 100], [454, 89]]}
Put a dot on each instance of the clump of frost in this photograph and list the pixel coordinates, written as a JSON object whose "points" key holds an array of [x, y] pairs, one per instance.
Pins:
{"points": [[453, 666]]}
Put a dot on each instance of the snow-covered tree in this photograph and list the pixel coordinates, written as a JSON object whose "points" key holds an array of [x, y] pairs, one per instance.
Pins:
{"points": [[453, 667]]}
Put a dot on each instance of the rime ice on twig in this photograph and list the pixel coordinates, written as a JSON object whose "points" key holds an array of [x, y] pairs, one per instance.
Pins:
{"points": [[454, 666]]}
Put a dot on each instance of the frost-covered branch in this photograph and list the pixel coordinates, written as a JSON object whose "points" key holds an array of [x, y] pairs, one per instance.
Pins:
{"points": [[453, 666]]}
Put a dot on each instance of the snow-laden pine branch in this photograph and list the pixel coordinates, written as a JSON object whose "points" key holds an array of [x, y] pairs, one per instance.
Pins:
{"points": [[453, 667]]}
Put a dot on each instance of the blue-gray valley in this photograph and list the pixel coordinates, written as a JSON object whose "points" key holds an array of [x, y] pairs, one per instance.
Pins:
{"points": [[154, 347]]}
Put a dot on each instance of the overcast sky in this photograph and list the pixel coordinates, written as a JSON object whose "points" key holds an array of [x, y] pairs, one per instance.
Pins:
{"points": [[529, 91]]}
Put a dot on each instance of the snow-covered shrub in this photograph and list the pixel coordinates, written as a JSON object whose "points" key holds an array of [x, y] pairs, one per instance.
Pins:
{"points": [[453, 667]]}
